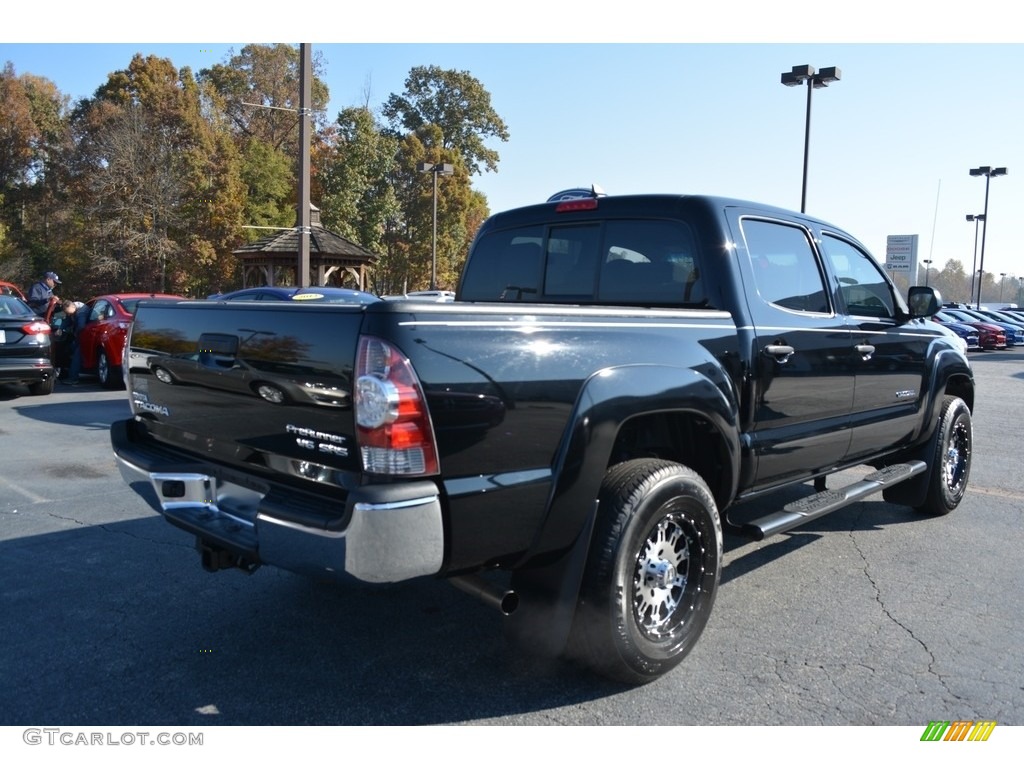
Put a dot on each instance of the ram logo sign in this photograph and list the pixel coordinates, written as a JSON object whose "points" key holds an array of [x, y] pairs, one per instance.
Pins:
{"points": [[958, 730]]}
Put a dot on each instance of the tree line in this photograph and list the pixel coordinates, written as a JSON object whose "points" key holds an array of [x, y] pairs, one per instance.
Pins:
{"points": [[954, 283], [150, 183]]}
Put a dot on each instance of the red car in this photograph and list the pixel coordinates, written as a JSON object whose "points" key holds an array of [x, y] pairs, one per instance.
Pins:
{"points": [[102, 339], [989, 336], [10, 289]]}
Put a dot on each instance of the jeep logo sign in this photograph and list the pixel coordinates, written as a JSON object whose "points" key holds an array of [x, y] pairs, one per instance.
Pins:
{"points": [[901, 253]]}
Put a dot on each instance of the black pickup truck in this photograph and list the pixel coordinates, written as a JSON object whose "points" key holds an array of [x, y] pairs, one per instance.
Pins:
{"points": [[567, 439]]}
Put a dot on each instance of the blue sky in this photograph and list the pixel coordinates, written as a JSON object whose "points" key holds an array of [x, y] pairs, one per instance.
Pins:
{"points": [[891, 143]]}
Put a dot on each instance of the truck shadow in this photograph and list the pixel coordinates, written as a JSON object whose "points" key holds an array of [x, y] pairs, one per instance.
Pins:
{"points": [[117, 624], [742, 556]]}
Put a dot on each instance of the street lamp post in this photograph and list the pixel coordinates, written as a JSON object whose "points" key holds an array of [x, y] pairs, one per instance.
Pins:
{"points": [[1002, 279], [927, 270], [988, 172], [974, 266], [807, 73], [437, 169]]}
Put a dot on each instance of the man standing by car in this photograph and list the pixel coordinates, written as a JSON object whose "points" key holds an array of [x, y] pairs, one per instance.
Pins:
{"points": [[40, 295], [65, 337]]}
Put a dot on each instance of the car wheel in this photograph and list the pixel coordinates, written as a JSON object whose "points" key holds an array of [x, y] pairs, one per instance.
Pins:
{"points": [[651, 577], [42, 387], [270, 393], [163, 375], [951, 462], [107, 373]]}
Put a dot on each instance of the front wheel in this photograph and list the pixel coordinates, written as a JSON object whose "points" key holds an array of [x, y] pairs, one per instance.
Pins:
{"points": [[270, 393], [951, 462], [652, 573]]}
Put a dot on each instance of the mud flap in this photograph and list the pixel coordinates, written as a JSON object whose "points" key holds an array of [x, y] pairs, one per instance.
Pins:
{"points": [[547, 599]]}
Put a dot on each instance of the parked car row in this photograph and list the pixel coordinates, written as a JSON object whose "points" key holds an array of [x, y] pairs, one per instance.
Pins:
{"points": [[994, 329]]}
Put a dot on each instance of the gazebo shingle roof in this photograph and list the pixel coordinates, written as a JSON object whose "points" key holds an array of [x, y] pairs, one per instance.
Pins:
{"points": [[330, 254], [321, 241]]}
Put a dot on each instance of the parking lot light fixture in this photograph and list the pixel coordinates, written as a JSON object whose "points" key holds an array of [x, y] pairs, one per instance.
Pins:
{"points": [[805, 73], [437, 169], [927, 269], [988, 172]]}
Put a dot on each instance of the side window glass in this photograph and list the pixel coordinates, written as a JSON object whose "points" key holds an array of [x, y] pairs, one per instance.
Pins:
{"points": [[864, 289], [506, 266], [650, 262], [786, 272]]}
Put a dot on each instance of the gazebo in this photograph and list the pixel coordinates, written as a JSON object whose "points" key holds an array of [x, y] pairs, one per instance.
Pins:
{"points": [[274, 260]]}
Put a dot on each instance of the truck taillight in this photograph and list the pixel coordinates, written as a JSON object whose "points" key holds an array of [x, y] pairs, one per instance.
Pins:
{"points": [[393, 425]]}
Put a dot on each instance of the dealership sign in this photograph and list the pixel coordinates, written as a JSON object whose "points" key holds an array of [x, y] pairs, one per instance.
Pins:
{"points": [[901, 254]]}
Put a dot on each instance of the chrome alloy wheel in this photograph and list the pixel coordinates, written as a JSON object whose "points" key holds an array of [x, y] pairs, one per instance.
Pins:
{"points": [[661, 576], [957, 458]]}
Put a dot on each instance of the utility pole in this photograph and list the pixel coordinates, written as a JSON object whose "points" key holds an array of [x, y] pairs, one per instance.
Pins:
{"points": [[305, 107]]}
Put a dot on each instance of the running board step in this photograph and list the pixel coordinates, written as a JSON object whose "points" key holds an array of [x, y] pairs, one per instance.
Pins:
{"points": [[812, 507]]}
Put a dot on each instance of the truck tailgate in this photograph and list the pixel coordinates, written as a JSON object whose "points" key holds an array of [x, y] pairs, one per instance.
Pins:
{"points": [[267, 387]]}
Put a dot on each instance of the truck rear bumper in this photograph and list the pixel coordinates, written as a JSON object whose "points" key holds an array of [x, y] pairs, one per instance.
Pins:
{"points": [[379, 533]]}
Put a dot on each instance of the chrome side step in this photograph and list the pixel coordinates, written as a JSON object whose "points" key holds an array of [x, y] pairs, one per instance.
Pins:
{"points": [[812, 507]]}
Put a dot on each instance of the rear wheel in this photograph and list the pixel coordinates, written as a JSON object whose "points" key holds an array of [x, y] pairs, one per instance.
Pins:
{"points": [[109, 375], [652, 574], [951, 462], [42, 387]]}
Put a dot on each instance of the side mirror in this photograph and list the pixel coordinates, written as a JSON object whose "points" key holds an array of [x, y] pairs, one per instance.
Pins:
{"points": [[923, 301]]}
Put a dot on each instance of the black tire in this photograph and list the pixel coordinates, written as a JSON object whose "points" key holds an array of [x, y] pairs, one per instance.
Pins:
{"points": [[951, 462], [39, 388], [652, 572], [109, 375]]}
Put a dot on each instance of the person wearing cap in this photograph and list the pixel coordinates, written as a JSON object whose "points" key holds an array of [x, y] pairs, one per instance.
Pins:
{"points": [[41, 295]]}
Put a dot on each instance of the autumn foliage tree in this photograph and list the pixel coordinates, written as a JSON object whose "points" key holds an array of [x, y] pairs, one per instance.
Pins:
{"points": [[257, 92], [159, 182], [151, 182], [33, 137]]}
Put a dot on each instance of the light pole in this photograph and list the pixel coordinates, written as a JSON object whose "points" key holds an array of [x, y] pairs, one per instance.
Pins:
{"points": [[988, 172], [927, 270], [806, 73], [974, 266], [1002, 279], [437, 169]]}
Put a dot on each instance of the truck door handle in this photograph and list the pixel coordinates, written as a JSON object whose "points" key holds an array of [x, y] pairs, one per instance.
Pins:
{"points": [[865, 351], [781, 352]]}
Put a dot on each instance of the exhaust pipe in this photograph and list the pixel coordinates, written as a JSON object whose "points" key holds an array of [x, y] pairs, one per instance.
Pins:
{"points": [[505, 600]]}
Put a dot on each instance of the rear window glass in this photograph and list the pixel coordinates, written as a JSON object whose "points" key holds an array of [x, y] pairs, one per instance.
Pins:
{"points": [[645, 262]]}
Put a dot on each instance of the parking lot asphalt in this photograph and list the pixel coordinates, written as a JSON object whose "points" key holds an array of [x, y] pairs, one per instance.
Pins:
{"points": [[869, 616]]}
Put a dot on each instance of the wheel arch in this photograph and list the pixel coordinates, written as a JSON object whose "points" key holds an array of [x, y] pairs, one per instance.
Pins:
{"points": [[614, 406], [624, 411]]}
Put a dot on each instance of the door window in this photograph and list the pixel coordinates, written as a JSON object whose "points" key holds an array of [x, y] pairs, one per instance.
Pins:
{"points": [[786, 271], [863, 287]]}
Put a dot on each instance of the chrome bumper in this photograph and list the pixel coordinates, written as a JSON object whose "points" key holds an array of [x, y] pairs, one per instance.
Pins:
{"points": [[390, 532]]}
